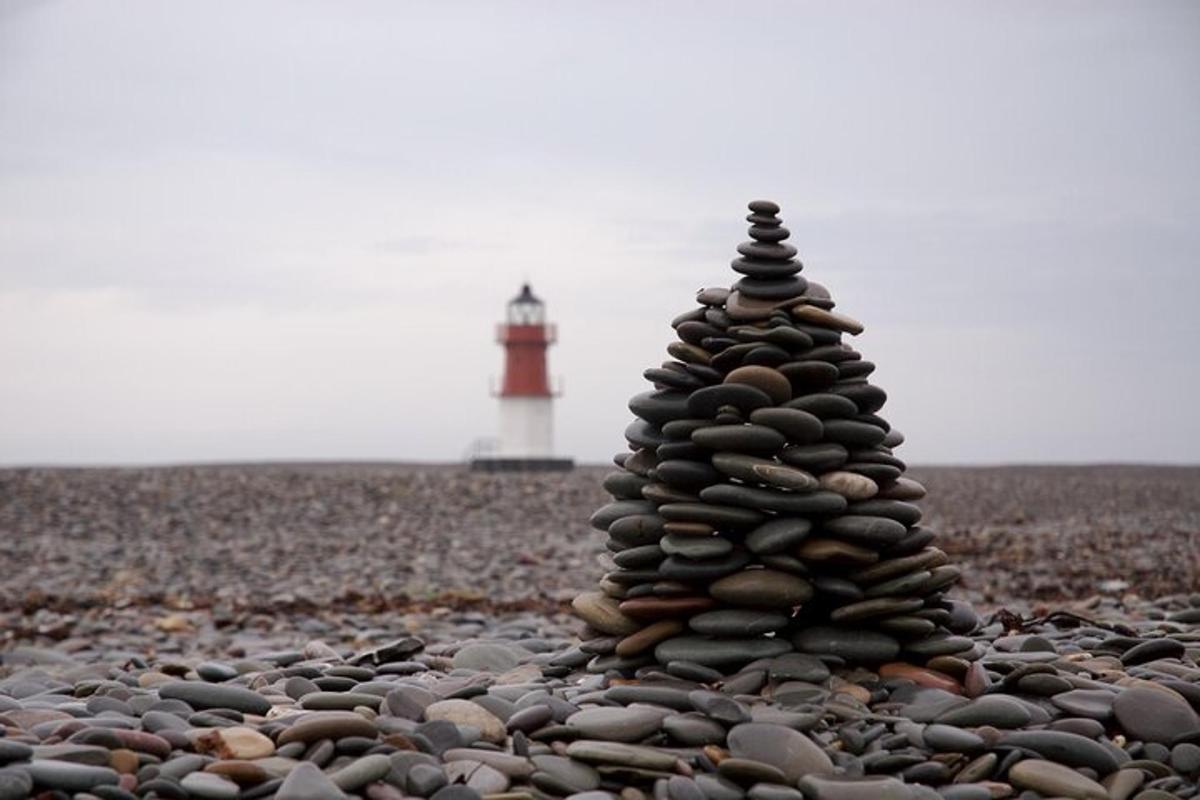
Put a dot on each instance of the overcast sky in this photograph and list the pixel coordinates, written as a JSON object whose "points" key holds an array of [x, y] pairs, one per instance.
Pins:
{"points": [[285, 230]]}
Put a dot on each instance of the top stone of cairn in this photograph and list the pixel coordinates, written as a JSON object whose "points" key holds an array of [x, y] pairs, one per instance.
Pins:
{"points": [[761, 508]]}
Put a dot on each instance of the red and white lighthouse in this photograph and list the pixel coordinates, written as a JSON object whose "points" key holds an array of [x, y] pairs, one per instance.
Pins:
{"points": [[526, 400]]}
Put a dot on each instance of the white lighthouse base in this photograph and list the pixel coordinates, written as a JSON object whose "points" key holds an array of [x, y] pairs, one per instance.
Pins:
{"points": [[526, 437]]}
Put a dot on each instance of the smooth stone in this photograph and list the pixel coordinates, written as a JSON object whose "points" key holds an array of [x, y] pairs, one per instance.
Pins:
{"points": [[425, 779], [815, 458], [827, 319], [739, 465], [749, 772], [14, 751], [1153, 650], [789, 751], [210, 695], [1091, 703], [875, 607], [688, 570], [15, 784], [637, 530], [1154, 715], [629, 724], [807, 376], [1185, 758], [604, 614], [853, 645], [771, 500], [608, 514], [991, 709], [714, 514], [902, 488], [704, 403], [950, 739], [1055, 780], [873, 531], [660, 406], [764, 588], [687, 475], [306, 781], [464, 712], [775, 289], [835, 551], [904, 513], [1061, 747], [642, 434], [785, 477], [69, 777], [567, 772], [873, 787], [769, 381], [210, 786], [361, 771], [646, 639], [778, 535], [601, 752], [737, 622], [867, 397], [695, 546], [718, 653], [749, 439], [486, 658], [849, 485], [719, 707], [800, 427], [798, 667], [339, 701], [852, 433], [317, 725], [654, 608], [694, 729], [825, 405], [236, 742]]}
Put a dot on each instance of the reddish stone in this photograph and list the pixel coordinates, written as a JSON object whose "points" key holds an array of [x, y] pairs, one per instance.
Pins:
{"points": [[921, 676]]}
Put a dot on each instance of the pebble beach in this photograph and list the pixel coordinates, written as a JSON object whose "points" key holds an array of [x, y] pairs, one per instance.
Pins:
{"points": [[325, 631]]}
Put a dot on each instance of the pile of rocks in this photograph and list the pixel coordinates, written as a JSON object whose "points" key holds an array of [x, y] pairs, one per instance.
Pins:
{"points": [[762, 509]]}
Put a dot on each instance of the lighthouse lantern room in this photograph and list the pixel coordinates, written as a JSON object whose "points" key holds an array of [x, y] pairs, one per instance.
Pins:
{"points": [[526, 438]]}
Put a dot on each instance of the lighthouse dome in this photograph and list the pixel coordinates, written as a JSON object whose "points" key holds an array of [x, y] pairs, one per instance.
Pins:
{"points": [[526, 308]]}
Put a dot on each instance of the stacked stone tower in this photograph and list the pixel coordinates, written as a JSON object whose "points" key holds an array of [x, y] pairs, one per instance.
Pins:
{"points": [[761, 507]]}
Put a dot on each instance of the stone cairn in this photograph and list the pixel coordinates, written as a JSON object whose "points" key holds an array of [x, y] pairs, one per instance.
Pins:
{"points": [[761, 509]]}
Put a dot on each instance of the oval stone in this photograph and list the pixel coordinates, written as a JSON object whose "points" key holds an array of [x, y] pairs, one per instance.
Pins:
{"points": [[604, 614], [815, 458], [719, 516], [800, 427], [751, 439], [688, 475], [778, 535], [849, 485], [789, 751], [874, 531], [762, 588], [1054, 780], [853, 433], [769, 381], [737, 622], [825, 405], [855, 645], [719, 653], [771, 500]]}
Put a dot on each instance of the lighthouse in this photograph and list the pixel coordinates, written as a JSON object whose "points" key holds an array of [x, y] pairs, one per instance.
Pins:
{"points": [[526, 439]]}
